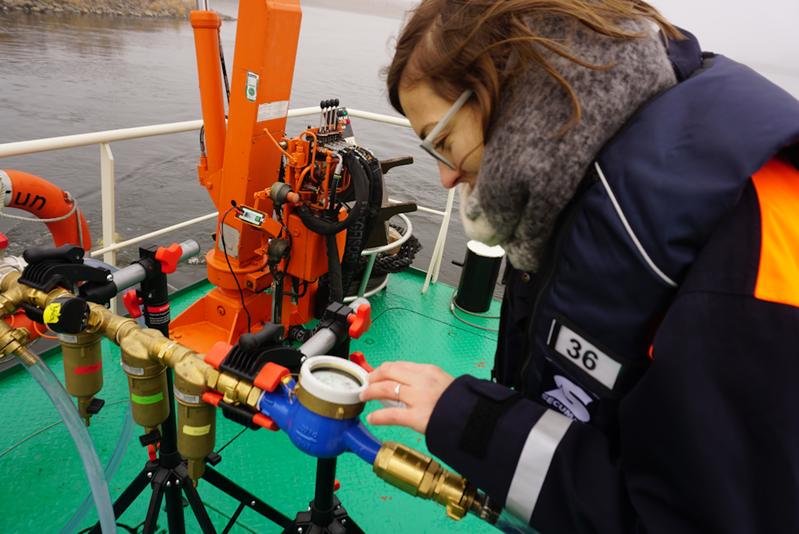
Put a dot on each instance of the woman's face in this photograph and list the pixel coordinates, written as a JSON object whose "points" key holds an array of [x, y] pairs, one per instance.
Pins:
{"points": [[461, 141]]}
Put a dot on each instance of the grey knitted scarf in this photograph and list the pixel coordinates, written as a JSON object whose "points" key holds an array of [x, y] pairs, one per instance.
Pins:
{"points": [[530, 169]]}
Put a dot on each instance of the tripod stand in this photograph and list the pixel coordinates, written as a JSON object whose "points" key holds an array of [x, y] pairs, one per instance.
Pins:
{"points": [[167, 475]]}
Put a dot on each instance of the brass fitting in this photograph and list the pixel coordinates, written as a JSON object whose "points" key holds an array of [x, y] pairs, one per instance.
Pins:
{"points": [[12, 341], [83, 371], [421, 476], [233, 390], [325, 408], [196, 419], [12, 295], [146, 379]]}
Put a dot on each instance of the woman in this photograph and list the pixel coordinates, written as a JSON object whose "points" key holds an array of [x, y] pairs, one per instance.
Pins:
{"points": [[646, 196]]}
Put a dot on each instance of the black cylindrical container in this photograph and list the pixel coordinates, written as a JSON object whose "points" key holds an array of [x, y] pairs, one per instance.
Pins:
{"points": [[478, 277]]}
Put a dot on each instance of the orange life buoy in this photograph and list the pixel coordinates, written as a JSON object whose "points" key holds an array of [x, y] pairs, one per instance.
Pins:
{"points": [[46, 201]]}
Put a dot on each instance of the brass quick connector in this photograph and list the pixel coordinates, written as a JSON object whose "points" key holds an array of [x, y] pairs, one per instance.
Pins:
{"points": [[12, 295], [421, 476], [234, 390], [12, 341]]}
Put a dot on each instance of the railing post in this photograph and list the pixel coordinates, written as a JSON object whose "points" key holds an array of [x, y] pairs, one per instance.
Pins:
{"points": [[438, 250], [108, 197]]}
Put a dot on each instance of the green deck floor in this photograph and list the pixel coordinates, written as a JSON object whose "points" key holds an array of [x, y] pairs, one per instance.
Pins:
{"points": [[43, 482]]}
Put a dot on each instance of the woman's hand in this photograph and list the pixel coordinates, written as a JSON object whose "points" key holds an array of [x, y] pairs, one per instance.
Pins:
{"points": [[417, 386]]}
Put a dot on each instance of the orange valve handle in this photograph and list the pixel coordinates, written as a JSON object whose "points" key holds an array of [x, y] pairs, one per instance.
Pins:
{"points": [[169, 257], [360, 321]]}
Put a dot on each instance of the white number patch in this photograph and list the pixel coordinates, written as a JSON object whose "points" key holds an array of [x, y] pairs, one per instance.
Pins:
{"points": [[585, 355]]}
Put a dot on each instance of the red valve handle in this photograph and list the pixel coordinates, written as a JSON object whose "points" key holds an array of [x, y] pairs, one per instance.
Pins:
{"points": [[270, 376], [265, 422], [133, 303], [169, 257], [360, 321], [359, 359]]}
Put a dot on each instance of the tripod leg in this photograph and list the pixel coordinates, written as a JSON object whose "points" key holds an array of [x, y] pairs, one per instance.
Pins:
{"points": [[245, 497], [233, 518], [174, 508], [151, 520], [198, 507], [128, 496]]}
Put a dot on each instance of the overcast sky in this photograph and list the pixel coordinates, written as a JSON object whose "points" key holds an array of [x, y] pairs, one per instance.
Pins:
{"points": [[762, 34]]}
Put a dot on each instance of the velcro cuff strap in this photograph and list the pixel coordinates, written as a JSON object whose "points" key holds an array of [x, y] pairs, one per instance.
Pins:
{"points": [[480, 425]]}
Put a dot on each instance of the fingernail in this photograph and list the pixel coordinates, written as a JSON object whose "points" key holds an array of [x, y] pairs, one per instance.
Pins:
{"points": [[369, 419]]}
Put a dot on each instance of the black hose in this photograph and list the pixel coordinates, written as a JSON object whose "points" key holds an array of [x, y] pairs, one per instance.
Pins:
{"points": [[360, 184], [334, 270]]}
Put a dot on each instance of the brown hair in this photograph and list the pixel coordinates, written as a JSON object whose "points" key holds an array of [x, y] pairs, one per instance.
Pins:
{"points": [[465, 44]]}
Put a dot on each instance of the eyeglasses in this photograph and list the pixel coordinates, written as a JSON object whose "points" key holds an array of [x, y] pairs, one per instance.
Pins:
{"points": [[427, 142]]}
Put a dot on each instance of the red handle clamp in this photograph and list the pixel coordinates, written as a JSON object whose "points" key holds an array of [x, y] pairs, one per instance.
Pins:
{"points": [[360, 321], [359, 359], [133, 303], [169, 257]]}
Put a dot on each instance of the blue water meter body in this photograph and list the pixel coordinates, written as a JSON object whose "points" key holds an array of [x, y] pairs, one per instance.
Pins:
{"points": [[314, 434]]}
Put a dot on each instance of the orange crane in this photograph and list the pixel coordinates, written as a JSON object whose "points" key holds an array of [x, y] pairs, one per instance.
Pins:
{"points": [[284, 204]]}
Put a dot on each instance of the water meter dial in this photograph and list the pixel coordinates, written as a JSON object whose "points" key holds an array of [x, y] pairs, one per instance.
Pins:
{"points": [[331, 386]]}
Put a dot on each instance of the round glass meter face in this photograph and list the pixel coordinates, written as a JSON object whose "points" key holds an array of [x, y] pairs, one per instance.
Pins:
{"points": [[336, 379]]}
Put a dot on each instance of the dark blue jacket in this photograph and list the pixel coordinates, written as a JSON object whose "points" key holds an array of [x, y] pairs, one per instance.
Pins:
{"points": [[661, 371]]}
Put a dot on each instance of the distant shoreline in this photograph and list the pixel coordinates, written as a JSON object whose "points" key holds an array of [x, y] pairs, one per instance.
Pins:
{"points": [[121, 8], [180, 8]]}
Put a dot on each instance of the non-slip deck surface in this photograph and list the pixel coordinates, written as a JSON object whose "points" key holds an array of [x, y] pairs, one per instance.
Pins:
{"points": [[43, 481]]}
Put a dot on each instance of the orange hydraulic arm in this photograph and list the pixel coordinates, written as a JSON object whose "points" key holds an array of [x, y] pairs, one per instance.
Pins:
{"points": [[241, 159]]}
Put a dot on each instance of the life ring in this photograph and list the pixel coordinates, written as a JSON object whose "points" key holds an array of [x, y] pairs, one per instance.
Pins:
{"points": [[57, 209], [48, 202]]}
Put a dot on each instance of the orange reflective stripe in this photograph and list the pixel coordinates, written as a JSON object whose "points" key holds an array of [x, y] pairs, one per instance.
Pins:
{"points": [[777, 186]]}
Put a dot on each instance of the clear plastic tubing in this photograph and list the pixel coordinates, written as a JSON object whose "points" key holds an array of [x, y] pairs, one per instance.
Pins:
{"points": [[73, 525], [77, 429]]}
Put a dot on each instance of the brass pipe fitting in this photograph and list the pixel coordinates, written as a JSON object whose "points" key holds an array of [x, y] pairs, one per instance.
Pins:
{"points": [[13, 341], [421, 476], [12, 295], [83, 371], [233, 389], [196, 419]]}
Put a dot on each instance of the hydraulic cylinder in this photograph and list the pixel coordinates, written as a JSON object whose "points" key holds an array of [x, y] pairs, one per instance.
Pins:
{"points": [[147, 382], [83, 369]]}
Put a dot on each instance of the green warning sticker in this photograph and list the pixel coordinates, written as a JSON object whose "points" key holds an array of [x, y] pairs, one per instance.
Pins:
{"points": [[252, 86], [147, 399]]}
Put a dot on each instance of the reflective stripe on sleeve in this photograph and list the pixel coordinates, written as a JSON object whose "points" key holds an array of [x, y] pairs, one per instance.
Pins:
{"points": [[533, 464]]}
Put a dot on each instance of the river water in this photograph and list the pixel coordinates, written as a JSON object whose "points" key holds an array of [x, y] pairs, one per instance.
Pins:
{"points": [[62, 75]]}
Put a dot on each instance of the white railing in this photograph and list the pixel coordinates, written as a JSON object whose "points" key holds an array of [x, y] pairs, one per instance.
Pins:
{"points": [[108, 180]]}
